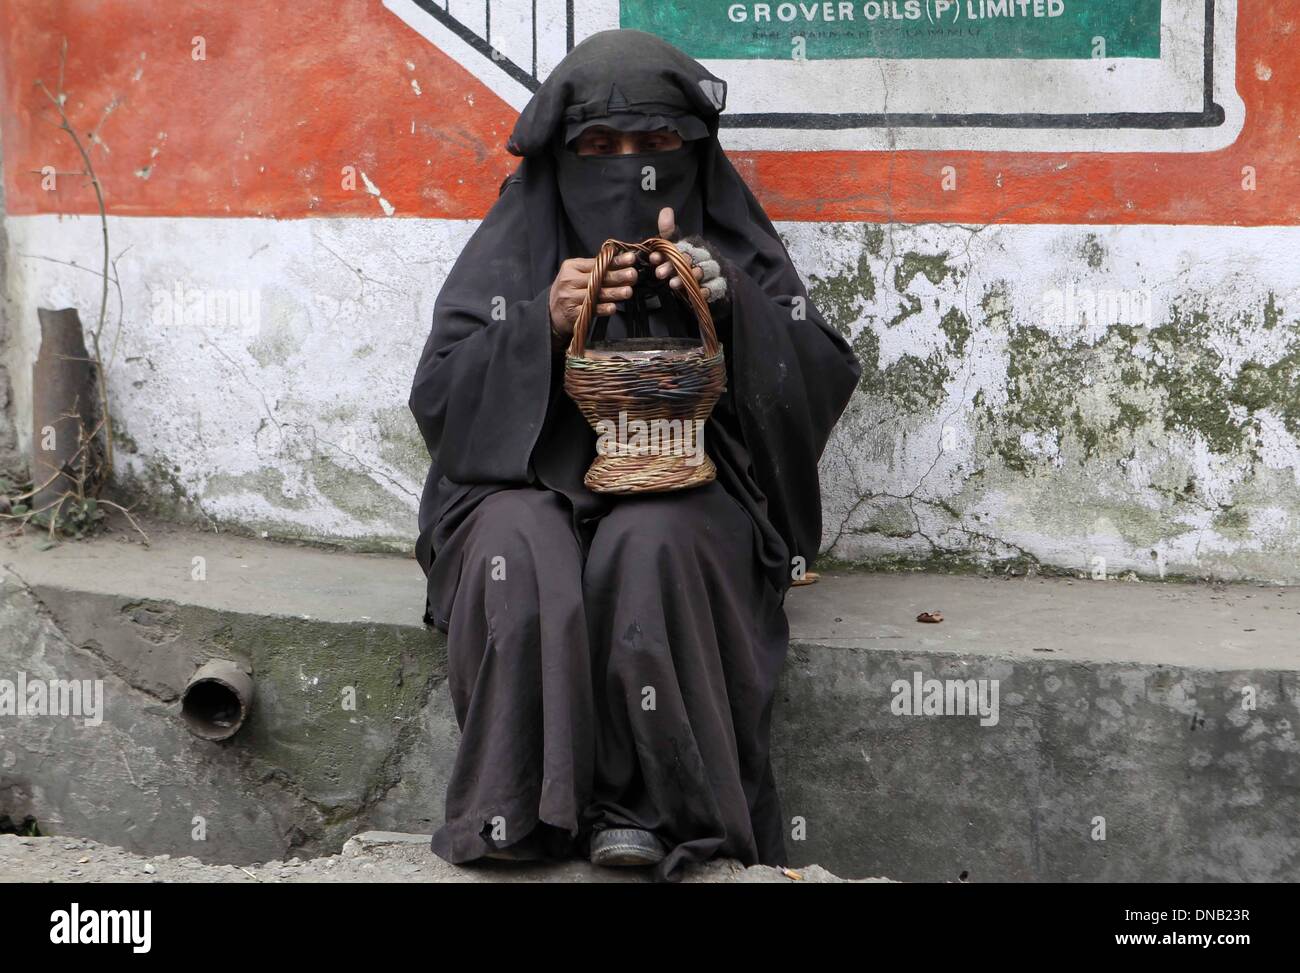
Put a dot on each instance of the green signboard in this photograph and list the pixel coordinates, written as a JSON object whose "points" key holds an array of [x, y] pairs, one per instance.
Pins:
{"points": [[1040, 29]]}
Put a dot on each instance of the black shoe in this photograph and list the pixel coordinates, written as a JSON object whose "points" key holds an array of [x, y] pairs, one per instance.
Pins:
{"points": [[625, 846]]}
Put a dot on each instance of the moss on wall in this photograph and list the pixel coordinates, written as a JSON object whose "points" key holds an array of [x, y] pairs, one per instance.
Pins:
{"points": [[1142, 438]]}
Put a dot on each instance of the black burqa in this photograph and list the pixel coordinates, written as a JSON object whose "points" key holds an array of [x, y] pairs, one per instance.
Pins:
{"points": [[489, 401]]}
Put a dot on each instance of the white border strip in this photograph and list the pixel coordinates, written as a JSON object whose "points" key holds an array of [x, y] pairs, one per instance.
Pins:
{"points": [[743, 76]]}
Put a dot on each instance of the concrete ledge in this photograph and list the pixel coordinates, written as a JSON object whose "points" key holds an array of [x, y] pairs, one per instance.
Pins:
{"points": [[1216, 626], [1124, 710]]}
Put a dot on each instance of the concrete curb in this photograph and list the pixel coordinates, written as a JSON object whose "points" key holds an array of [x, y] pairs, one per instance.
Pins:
{"points": [[1143, 732]]}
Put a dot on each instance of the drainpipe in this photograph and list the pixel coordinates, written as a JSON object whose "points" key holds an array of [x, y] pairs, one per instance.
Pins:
{"points": [[217, 700], [65, 405]]}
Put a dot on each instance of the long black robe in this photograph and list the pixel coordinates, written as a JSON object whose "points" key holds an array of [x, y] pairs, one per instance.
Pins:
{"points": [[489, 401]]}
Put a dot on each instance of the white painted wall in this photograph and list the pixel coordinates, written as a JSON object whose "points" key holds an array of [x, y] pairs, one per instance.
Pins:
{"points": [[293, 420]]}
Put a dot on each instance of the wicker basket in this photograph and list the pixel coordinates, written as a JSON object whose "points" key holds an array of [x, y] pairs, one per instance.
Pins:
{"points": [[669, 384]]}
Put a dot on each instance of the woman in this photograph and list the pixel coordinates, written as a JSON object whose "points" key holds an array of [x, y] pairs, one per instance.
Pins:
{"points": [[613, 660]]}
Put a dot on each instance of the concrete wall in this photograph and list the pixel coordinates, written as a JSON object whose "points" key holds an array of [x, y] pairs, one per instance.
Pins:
{"points": [[1159, 749], [1080, 343]]}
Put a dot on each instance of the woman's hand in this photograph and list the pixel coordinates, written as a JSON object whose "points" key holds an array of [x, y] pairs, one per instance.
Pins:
{"points": [[569, 290], [707, 268], [663, 269]]}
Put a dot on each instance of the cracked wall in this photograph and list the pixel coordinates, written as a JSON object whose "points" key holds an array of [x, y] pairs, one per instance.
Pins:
{"points": [[1155, 430], [288, 417], [307, 773], [275, 260], [1149, 427]]}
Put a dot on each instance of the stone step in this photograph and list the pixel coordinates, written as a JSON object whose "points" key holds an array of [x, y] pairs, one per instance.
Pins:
{"points": [[1142, 730]]}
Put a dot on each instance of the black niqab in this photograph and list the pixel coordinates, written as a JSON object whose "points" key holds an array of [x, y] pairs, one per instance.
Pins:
{"points": [[680, 591], [619, 196]]}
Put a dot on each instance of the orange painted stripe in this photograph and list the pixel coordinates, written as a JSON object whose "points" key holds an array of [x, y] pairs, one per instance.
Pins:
{"points": [[291, 93]]}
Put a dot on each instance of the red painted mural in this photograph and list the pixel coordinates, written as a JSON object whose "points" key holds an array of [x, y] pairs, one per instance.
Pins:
{"points": [[287, 95]]}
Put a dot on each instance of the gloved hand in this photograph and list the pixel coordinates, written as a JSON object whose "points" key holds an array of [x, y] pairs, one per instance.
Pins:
{"points": [[710, 266], [713, 281]]}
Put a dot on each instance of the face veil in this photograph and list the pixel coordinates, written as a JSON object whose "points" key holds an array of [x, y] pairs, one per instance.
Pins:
{"points": [[620, 196]]}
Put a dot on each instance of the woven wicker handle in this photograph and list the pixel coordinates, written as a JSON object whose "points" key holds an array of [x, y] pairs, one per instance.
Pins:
{"points": [[694, 294]]}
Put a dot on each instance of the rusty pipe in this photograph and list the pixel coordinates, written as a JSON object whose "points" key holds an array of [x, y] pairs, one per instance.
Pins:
{"points": [[217, 700], [65, 408]]}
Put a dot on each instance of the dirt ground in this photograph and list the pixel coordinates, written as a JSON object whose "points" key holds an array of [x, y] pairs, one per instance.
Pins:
{"points": [[369, 857]]}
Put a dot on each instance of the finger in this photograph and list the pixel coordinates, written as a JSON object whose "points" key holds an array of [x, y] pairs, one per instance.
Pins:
{"points": [[605, 309], [677, 281], [616, 294], [583, 265], [621, 260], [667, 223], [668, 270], [616, 277]]}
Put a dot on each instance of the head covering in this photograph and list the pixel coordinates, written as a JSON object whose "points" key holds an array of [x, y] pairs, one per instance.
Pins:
{"points": [[635, 72], [632, 81], [614, 72]]}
